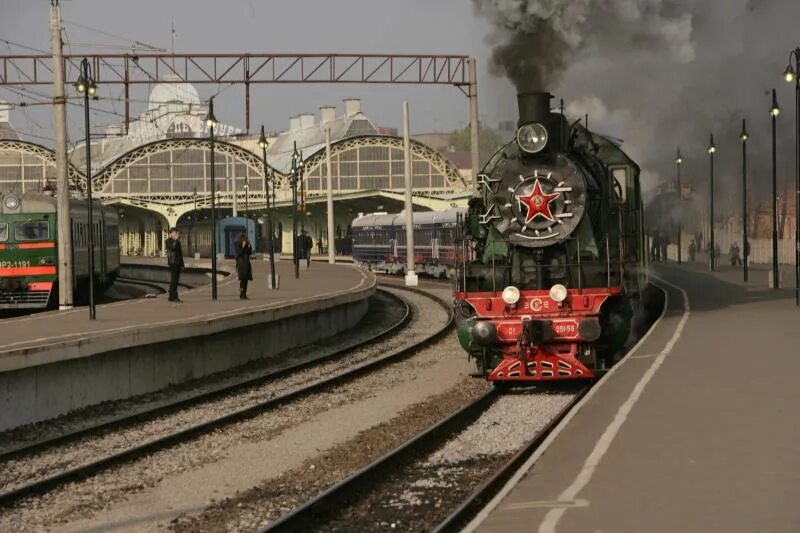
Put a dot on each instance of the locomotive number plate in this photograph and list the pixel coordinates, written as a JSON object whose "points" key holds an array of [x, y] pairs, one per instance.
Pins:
{"points": [[566, 329], [15, 264]]}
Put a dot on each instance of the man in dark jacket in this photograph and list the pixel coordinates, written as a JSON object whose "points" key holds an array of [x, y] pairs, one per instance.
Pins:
{"points": [[175, 262]]}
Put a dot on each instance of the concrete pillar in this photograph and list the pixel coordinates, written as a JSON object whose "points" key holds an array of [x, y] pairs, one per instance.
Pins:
{"points": [[331, 235], [411, 275]]}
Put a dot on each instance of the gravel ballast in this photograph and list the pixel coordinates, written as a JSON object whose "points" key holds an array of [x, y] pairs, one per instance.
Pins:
{"points": [[78, 502]]}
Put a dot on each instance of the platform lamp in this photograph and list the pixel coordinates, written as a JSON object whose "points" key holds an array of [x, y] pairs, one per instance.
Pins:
{"points": [[712, 149], [211, 121], [793, 75], [87, 86], [262, 142], [774, 111], [745, 246], [297, 168], [192, 243], [678, 162]]}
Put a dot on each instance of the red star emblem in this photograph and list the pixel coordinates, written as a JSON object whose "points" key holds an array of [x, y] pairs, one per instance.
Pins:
{"points": [[538, 203]]}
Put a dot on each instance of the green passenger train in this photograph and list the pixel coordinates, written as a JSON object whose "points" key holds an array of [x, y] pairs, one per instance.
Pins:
{"points": [[29, 250]]}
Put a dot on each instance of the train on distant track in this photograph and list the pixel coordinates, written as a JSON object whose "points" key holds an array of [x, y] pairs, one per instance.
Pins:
{"points": [[29, 250], [549, 266], [379, 241]]}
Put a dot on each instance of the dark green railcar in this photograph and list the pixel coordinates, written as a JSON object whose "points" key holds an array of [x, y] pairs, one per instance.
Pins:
{"points": [[29, 250]]}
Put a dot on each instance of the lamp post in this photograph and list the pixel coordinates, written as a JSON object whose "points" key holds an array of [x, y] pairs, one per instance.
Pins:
{"points": [[247, 200], [678, 162], [262, 142], [712, 252], [302, 199], [87, 86], [297, 168], [745, 246], [774, 112], [793, 75], [211, 121], [192, 243]]}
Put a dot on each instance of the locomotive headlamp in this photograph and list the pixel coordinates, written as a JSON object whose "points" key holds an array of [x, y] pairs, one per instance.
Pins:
{"points": [[558, 292], [11, 201], [511, 295], [532, 137]]}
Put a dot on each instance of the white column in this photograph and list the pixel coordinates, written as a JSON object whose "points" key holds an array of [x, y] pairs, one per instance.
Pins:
{"points": [[411, 275], [62, 170], [474, 147], [331, 234]]}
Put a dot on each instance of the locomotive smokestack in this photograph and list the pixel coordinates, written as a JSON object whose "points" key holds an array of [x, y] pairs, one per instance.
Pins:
{"points": [[533, 107]]}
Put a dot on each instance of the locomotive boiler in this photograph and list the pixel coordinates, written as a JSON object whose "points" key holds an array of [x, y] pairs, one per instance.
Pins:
{"points": [[550, 267]]}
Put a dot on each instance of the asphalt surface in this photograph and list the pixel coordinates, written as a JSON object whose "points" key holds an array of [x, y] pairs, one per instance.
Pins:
{"points": [[695, 431]]}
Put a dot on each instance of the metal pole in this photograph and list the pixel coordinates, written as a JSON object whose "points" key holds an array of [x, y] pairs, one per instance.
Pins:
{"points": [[745, 246], [678, 161], [295, 256], [712, 249], [797, 181], [213, 208], [331, 230], [64, 221], [87, 77], [192, 238], [302, 198], [775, 273], [270, 243], [474, 146], [411, 275]]}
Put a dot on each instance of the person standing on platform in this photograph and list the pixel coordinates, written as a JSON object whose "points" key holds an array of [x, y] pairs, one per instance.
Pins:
{"points": [[747, 253], [175, 262], [243, 267], [692, 250], [734, 255]]}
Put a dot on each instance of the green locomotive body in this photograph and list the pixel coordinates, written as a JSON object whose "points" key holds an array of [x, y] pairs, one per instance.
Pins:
{"points": [[29, 250]]}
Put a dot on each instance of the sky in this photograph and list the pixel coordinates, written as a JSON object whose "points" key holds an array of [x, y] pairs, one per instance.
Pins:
{"points": [[656, 73], [299, 26]]}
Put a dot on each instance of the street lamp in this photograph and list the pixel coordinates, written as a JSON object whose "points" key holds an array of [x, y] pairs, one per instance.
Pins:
{"points": [[712, 252], [297, 171], [678, 162], [192, 243], [774, 111], [211, 121], [262, 142], [793, 75], [745, 246], [87, 86]]}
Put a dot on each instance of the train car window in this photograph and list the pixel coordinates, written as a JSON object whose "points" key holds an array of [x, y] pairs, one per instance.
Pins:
{"points": [[32, 230], [620, 175], [3, 232]]}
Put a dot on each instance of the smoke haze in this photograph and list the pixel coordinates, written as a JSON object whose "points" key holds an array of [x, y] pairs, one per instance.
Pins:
{"points": [[661, 74]]}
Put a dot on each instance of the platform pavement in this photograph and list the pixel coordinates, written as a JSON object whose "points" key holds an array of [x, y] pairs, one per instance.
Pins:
{"points": [[695, 431], [45, 337]]}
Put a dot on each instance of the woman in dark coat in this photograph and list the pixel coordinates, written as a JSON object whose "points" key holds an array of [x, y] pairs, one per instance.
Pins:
{"points": [[243, 268]]}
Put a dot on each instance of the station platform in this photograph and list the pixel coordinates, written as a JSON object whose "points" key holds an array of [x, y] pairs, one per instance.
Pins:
{"points": [[694, 431], [57, 361]]}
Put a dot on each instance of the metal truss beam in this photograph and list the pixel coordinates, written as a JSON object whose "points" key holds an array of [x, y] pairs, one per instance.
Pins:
{"points": [[127, 69]]}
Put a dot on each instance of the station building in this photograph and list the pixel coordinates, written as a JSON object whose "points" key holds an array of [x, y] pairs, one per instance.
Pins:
{"points": [[158, 172]]}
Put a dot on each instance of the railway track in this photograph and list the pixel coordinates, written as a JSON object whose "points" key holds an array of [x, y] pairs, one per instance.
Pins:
{"points": [[48, 482], [418, 486]]}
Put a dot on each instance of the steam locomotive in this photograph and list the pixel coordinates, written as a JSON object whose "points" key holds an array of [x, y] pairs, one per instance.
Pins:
{"points": [[550, 265]]}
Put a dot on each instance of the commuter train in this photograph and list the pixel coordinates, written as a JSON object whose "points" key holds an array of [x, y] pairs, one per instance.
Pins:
{"points": [[29, 250], [550, 262], [379, 241]]}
